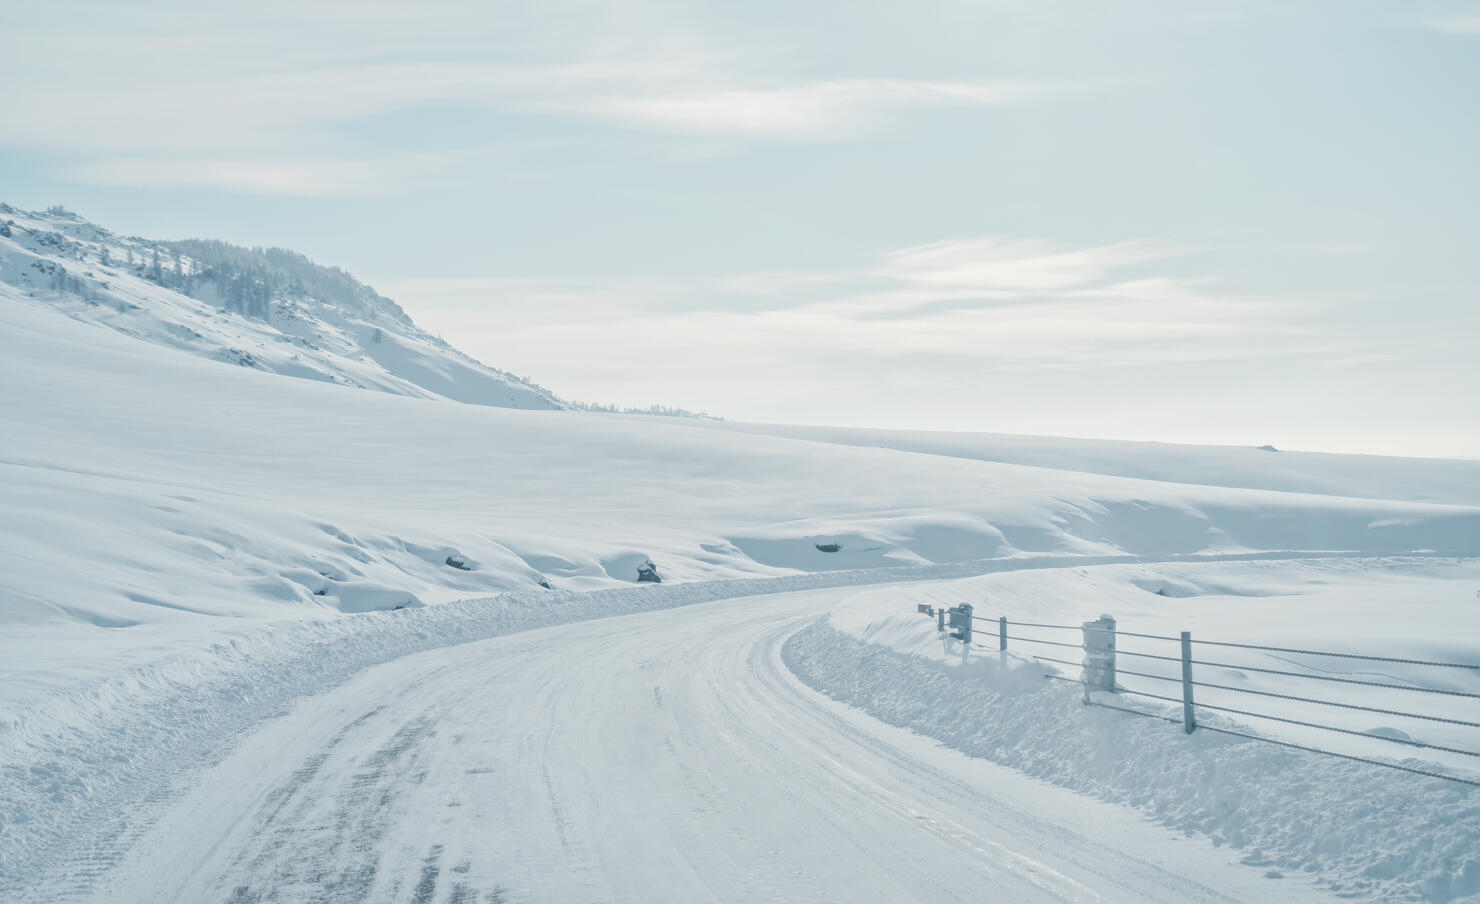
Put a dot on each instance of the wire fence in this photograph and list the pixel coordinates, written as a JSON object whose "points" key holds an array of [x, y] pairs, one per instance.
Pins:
{"points": [[1103, 681]]}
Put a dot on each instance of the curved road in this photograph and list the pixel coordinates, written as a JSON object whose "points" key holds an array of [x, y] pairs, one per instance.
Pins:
{"points": [[667, 756]]}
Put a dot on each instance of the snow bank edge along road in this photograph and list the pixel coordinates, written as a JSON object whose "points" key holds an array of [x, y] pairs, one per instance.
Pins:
{"points": [[75, 778], [1363, 830], [665, 756], [74, 772]]}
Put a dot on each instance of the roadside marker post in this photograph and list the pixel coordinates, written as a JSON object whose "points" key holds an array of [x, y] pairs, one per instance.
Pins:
{"points": [[1189, 719], [1099, 655], [961, 621]]}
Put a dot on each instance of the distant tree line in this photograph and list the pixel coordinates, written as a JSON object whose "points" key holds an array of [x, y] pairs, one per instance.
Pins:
{"points": [[246, 280], [655, 410]]}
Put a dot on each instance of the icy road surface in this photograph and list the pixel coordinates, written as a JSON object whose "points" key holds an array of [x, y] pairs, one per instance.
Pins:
{"points": [[667, 756]]}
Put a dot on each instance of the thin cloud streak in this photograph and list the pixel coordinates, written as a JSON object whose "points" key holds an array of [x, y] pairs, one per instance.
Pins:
{"points": [[222, 100], [818, 110], [1013, 264], [296, 178], [1460, 26], [989, 304]]}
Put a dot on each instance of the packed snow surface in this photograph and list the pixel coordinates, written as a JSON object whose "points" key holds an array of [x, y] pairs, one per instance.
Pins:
{"points": [[669, 756], [245, 617]]}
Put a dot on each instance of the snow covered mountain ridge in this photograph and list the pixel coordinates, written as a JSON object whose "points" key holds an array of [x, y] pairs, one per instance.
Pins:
{"points": [[268, 309]]}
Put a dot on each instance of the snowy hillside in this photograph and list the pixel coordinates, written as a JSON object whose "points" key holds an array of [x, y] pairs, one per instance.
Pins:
{"points": [[149, 492], [270, 310], [188, 551], [1453, 481]]}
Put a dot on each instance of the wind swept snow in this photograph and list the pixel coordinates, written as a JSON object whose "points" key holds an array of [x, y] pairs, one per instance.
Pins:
{"points": [[151, 492], [192, 543]]}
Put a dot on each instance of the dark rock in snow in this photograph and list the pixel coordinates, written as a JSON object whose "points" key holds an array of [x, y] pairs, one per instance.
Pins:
{"points": [[544, 583], [458, 563], [828, 547], [1269, 448], [648, 572]]}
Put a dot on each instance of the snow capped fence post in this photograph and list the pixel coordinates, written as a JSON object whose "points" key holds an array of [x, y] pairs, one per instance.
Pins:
{"points": [[1002, 633], [961, 621], [1099, 655], [1189, 721]]}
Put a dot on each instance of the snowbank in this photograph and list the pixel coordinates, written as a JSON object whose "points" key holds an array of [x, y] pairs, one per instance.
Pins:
{"points": [[76, 769], [74, 766], [1362, 829]]}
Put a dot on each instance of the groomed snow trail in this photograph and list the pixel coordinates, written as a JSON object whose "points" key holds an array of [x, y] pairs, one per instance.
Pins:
{"points": [[665, 756]]}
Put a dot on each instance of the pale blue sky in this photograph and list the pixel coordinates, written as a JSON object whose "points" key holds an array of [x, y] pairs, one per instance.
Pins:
{"points": [[1240, 222]]}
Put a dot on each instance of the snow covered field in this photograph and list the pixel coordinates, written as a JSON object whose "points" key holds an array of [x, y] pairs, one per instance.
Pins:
{"points": [[198, 559], [153, 495]]}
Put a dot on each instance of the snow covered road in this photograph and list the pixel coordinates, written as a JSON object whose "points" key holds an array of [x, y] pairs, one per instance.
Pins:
{"points": [[665, 756]]}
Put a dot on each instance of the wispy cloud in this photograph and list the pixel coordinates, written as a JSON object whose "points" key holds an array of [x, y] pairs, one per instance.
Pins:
{"points": [[986, 305], [1465, 25], [201, 95], [298, 178], [815, 110], [1361, 360], [995, 263]]}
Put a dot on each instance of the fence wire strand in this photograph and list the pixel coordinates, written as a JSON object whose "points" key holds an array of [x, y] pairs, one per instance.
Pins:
{"points": [[1346, 731], [1344, 756], [1248, 668], [1362, 656], [1323, 752], [1047, 643], [1366, 657], [1120, 671], [1060, 662], [1394, 687], [1316, 700]]}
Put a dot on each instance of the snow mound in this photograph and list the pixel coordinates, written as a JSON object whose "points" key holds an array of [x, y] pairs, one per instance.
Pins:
{"points": [[628, 566], [367, 596]]}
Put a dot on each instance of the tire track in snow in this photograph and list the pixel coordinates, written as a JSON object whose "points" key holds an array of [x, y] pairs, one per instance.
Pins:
{"points": [[542, 764]]}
